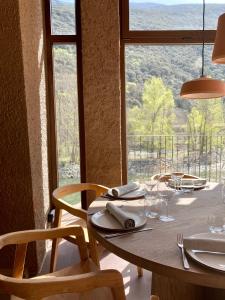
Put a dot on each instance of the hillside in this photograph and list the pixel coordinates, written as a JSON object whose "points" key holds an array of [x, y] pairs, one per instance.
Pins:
{"points": [[151, 16], [174, 64]]}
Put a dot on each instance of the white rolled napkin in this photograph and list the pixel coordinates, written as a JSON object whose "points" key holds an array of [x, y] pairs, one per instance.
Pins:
{"points": [[124, 189], [205, 244], [121, 216]]}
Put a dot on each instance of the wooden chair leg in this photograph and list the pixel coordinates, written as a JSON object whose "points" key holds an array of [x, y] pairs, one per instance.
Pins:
{"points": [[140, 271], [55, 242], [93, 249], [154, 297]]}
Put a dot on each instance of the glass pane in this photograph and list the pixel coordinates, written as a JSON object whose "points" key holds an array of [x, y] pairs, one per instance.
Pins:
{"points": [[165, 132], [174, 14], [63, 17], [66, 105]]}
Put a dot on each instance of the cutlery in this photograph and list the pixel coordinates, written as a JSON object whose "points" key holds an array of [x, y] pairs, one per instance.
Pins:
{"points": [[108, 197], [181, 246], [90, 213], [112, 235]]}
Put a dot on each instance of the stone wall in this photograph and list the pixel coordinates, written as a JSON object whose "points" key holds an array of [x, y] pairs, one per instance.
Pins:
{"points": [[102, 103], [22, 140]]}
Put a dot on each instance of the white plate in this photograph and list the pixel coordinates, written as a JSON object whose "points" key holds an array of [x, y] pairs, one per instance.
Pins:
{"points": [[213, 260], [104, 220], [132, 195]]}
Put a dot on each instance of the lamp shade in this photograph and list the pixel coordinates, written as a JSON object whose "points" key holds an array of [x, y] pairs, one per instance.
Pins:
{"points": [[218, 55], [203, 88]]}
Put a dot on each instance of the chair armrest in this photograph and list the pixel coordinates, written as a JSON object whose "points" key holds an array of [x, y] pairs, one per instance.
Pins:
{"points": [[23, 237], [72, 284], [78, 212]]}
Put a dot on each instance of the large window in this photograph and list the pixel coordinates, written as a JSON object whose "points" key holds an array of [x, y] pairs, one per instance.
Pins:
{"points": [[173, 15], [62, 33], [162, 49]]}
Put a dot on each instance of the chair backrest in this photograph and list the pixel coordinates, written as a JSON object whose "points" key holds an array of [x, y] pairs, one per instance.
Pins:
{"points": [[38, 288], [66, 190], [80, 187]]}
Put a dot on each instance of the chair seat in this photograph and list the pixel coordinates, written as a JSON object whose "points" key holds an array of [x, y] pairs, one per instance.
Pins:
{"points": [[81, 268]]}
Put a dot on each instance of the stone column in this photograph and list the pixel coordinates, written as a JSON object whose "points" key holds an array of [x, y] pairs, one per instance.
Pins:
{"points": [[23, 187], [102, 102]]}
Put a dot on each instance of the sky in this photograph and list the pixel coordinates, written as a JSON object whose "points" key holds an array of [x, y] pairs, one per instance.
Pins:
{"points": [[169, 2]]}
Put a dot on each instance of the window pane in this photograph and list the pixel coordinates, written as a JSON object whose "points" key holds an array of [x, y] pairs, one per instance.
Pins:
{"points": [[165, 132], [66, 102], [63, 17], [174, 14]]}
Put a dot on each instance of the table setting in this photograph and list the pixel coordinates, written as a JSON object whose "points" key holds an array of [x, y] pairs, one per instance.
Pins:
{"points": [[206, 248], [154, 245], [124, 211], [124, 214]]}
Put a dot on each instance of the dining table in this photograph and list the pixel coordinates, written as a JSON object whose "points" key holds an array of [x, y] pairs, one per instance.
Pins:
{"points": [[156, 250]]}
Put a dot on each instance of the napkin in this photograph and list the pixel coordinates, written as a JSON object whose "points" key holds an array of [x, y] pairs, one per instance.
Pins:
{"points": [[205, 244], [121, 216], [124, 189]]}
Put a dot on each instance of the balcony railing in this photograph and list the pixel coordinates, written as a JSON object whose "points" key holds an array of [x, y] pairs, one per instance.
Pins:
{"points": [[200, 155]]}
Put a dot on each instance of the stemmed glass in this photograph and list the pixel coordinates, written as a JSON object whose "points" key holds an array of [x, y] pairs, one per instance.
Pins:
{"points": [[177, 179], [165, 194], [150, 184], [223, 189]]}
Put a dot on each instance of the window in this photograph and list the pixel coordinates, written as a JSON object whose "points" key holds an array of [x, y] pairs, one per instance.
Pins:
{"points": [[65, 106], [173, 15], [164, 132]]}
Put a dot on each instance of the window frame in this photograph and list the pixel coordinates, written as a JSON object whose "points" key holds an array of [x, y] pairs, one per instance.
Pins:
{"points": [[50, 41], [150, 37]]}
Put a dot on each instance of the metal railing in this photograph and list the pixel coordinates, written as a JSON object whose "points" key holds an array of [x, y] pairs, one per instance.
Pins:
{"points": [[200, 155]]}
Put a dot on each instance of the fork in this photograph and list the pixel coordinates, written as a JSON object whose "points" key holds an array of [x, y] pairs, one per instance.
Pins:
{"points": [[181, 246]]}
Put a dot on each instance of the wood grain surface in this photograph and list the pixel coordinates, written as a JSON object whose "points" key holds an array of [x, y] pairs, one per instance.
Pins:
{"points": [[157, 251]]}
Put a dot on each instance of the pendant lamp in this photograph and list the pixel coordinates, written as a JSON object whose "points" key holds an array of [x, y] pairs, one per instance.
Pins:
{"points": [[218, 55], [203, 87]]}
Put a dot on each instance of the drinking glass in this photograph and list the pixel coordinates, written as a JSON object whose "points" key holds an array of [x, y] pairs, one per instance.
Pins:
{"points": [[150, 184], [151, 205], [223, 190], [216, 223], [188, 188], [165, 194], [177, 178]]}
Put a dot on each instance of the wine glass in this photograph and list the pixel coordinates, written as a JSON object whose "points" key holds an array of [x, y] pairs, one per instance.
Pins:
{"points": [[223, 190], [188, 188], [150, 184], [165, 194], [177, 179]]}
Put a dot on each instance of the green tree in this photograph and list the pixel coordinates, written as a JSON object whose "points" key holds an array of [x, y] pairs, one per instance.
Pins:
{"points": [[154, 116], [206, 118]]}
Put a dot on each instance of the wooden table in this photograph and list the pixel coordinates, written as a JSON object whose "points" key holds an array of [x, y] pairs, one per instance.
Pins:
{"points": [[157, 251]]}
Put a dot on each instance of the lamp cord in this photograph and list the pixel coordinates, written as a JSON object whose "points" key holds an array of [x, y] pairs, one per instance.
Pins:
{"points": [[203, 37]]}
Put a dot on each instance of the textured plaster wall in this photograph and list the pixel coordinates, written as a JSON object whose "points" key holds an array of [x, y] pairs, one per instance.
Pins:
{"points": [[21, 88], [16, 206], [101, 77], [31, 22]]}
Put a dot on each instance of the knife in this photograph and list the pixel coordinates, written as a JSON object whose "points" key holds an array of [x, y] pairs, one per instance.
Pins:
{"points": [[112, 235]]}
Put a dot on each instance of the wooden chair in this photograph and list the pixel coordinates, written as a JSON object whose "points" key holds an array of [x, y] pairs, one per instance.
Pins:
{"points": [[84, 280], [80, 213], [61, 205]]}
